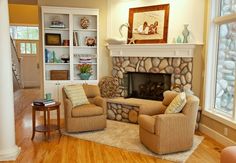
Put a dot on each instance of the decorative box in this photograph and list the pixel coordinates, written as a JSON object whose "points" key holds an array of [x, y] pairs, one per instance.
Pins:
{"points": [[59, 74]]}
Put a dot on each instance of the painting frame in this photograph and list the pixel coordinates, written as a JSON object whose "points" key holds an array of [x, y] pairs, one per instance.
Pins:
{"points": [[53, 39], [139, 34]]}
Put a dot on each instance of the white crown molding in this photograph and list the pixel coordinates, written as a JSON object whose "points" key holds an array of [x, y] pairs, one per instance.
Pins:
{"points": [[152, 50]]}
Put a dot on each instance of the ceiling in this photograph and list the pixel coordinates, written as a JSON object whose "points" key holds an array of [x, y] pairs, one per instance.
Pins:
{"points": [[26, 2]]}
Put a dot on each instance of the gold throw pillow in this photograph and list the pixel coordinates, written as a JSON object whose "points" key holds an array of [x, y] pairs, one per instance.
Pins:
{"points": [[177, 104], [76, 94]]}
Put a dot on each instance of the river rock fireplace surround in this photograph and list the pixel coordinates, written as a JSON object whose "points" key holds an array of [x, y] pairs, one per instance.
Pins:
{"points": [[175, 59]]}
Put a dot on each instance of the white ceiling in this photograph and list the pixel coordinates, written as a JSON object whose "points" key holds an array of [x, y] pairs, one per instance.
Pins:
{"points": [[27, 2]]}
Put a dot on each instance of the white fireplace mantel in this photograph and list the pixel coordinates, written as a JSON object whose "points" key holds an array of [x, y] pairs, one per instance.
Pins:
{"points": [[152, 50]]}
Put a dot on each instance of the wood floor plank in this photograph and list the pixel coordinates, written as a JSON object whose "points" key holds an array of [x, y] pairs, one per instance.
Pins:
{"points": [[73, 150]]}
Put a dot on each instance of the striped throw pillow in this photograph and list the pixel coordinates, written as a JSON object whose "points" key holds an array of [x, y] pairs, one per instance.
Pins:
{"points": [[177, 104], [76, 94]]}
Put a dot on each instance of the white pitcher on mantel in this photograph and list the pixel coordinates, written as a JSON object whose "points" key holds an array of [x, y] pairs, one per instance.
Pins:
{"points": [[119, 40]]}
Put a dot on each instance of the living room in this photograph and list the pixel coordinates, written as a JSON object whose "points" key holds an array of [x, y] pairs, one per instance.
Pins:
{"points": [[130, 48]]}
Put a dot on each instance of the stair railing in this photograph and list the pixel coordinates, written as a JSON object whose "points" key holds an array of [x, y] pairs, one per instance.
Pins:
{"points": [[16, 66]]}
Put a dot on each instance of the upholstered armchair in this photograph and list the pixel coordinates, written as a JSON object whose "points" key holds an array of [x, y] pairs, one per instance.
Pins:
{"points": [[85, 117], [168, 133]]}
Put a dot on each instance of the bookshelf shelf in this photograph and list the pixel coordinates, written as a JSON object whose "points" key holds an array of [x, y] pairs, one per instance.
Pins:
{"points": [[57, 64], [57, 29], [86, 30], [50, 46], [85, 47], [84, 63]]}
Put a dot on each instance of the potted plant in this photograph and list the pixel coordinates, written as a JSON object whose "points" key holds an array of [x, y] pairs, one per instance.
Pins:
{"points": [[85, 71]]}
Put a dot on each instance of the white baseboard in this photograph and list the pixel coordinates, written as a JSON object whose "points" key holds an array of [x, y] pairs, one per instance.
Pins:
{"points": [[10, 154], [216, 136]]}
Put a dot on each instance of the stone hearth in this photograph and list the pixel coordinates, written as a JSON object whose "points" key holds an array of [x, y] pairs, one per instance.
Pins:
{"points": [[180, 68], [123, 110]]}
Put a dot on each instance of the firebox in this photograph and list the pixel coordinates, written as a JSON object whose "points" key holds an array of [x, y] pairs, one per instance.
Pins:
{"points": [[146, 85]]}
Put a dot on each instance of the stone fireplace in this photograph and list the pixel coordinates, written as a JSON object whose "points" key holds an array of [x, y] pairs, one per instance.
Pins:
{"points": [[180, 68], [175, 60]]}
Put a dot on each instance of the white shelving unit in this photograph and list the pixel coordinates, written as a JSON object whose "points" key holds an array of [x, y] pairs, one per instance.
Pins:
{"points": [[71, 19]]}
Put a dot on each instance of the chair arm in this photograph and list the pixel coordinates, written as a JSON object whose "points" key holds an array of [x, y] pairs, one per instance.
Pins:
{"points": [[67, 107], [171, 125], [147, 122], [152, 108], [99, 101]]}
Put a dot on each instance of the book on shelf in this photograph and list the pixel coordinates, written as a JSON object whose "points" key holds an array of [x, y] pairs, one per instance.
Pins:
{"points": [[85, 62], [75, 39], [85, 59], [57, 26], [43, 102]]}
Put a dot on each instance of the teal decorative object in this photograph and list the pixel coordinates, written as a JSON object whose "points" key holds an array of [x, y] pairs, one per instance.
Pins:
{"points": [[185, 33], [48, 96], [179, 40], [54, 57], [84, 76]]}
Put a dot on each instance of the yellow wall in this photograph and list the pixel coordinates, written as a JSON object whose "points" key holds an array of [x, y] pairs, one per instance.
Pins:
{"points": [[23, 14]]}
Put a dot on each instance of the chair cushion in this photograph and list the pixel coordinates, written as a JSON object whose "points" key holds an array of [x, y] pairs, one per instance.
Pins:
{"points": [[91, 91], [76, 94], [86, 110], [169, 97], [177, 104], [147, 122]]}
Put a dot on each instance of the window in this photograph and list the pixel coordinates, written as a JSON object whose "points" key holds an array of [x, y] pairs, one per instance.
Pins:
{"points": [[24, 32], [221, 60], [226, 58], [28, 48]]}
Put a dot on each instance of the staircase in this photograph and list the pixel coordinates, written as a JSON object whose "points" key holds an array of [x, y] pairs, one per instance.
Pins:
{"points": [[16, 67]]}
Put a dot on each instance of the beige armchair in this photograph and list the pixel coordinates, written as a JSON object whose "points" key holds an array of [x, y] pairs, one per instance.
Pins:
{"points": [[85, 117], [168, 133]]}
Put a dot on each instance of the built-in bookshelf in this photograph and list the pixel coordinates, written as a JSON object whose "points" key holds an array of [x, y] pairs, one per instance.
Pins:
{"points": [[70, 38]]}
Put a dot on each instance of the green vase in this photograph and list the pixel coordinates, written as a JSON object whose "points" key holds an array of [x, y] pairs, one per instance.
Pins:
{"points": [[84, 76], [185, 33]]}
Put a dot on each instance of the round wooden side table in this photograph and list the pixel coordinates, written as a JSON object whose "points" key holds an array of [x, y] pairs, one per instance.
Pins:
{"points": [[47, 127]]}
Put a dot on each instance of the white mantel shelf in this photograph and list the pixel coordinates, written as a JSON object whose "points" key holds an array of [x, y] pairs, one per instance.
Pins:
{"points": [[152, 50]]}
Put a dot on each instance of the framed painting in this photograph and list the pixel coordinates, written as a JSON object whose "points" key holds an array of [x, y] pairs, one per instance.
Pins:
{"points": [[53, 39], [148, 24]]}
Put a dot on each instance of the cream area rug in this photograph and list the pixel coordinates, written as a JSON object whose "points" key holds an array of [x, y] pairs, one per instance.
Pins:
{"points": [[126, 136]]}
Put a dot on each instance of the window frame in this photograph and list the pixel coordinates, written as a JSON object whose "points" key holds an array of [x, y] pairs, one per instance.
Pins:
{"points": [[24, 25], [214, 22]]}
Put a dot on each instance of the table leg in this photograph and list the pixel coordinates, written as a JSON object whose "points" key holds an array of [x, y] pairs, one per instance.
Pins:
{"points": [[44, 121], [33, 123], [48, 123], [58, 119]]}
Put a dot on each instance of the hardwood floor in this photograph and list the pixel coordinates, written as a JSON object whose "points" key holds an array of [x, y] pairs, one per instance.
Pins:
{"points": [[71, 150]]}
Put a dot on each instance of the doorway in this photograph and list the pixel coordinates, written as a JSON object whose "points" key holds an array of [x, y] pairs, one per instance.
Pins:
{"points": [[26, 40], [28, 51]]}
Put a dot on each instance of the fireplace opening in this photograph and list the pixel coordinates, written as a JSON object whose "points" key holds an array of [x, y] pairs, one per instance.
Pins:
{"points": [[147, 85]]}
